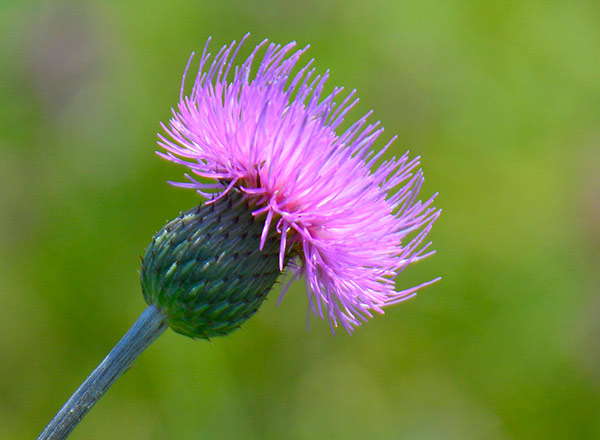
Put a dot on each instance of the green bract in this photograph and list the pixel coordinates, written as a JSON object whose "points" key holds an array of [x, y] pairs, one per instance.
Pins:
{"points": [[204, 270]]}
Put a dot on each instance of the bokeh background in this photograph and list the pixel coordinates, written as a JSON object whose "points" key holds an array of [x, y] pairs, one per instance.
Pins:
{"points": [[501, 100]]}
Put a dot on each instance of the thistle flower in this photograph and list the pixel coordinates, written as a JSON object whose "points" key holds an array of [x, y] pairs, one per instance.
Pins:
{"points": [[343, 223], [285, 191]]}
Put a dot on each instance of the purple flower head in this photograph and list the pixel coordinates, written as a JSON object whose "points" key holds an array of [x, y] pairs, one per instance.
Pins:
{"points": [[351, 226]]}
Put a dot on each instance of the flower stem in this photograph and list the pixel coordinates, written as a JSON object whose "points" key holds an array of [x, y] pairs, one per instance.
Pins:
{"points": [[149, 326]]}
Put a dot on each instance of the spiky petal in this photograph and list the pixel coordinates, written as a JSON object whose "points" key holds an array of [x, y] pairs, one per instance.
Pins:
{"points": [[352, 219]]}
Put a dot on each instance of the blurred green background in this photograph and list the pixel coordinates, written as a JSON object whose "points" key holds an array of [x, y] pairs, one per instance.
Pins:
{"points": [[501, 99]]}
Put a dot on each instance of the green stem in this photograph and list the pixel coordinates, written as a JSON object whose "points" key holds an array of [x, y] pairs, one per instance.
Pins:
{"points": [[149, 326]]}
